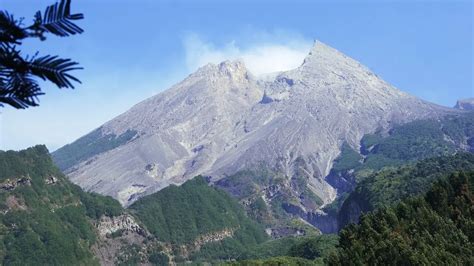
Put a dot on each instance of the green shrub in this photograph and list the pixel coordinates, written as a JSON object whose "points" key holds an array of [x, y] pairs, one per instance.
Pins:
{"points": [[159, 259]]}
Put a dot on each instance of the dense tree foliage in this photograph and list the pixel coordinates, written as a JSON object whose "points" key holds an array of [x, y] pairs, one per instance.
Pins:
{"points": [[348, 159], [18, 86], [314, 247], [180, 215], [391, 185], [274, 247], [434, 229], [44, 218], [277, 261]]}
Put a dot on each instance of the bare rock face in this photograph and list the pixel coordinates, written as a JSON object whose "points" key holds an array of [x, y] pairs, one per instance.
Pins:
{"points": [[116, 236], [216, 236], [465, 104], [222, 119], [125, 223], [11, 184], [51, 180]]}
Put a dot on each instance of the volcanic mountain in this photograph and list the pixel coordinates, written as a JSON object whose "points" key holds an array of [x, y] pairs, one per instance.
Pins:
{"points": [[222, 119]]}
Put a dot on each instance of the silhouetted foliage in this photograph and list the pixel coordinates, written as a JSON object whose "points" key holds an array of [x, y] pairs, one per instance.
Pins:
{"points": [[18, 86]]}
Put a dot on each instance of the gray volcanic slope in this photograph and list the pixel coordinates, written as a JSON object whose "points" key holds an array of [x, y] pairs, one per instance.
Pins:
{"points": [[222, 119], [465, 104]]}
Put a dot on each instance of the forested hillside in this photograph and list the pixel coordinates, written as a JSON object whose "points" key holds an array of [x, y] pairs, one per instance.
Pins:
{"points": [[44, 218], [434, 229], [200, 219], [391, 185]]}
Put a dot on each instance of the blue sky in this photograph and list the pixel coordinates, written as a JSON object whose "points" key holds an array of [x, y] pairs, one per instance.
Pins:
{"points": [[133, 49]]}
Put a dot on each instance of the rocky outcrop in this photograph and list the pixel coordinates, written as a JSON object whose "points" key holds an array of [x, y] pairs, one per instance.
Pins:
{"points": [[50, 180], [465, 104], [342, 181], [216, 236], [213, 237], [153, 170], [11, 184], [121, 237], [285, 231], [352, 208], [326, 223], [123, 223], [14, 203]]}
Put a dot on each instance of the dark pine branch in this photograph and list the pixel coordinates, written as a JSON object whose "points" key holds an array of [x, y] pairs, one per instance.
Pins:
{"points": [[55, 70], [20, 91], [10, 29], [57, 19], [18, 87]]}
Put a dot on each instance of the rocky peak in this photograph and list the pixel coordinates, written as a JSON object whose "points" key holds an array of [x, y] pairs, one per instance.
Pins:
{"points": [[321, 52], [465, 104], [233, 67], [234, 71], [320, 49], [324, 60]]}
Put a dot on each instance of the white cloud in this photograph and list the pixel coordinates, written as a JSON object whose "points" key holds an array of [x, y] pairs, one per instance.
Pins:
{"points": [[260, 57]]}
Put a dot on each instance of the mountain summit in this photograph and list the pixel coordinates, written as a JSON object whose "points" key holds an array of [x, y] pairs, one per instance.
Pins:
{"points": [[465, 104], [222, 119]]}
